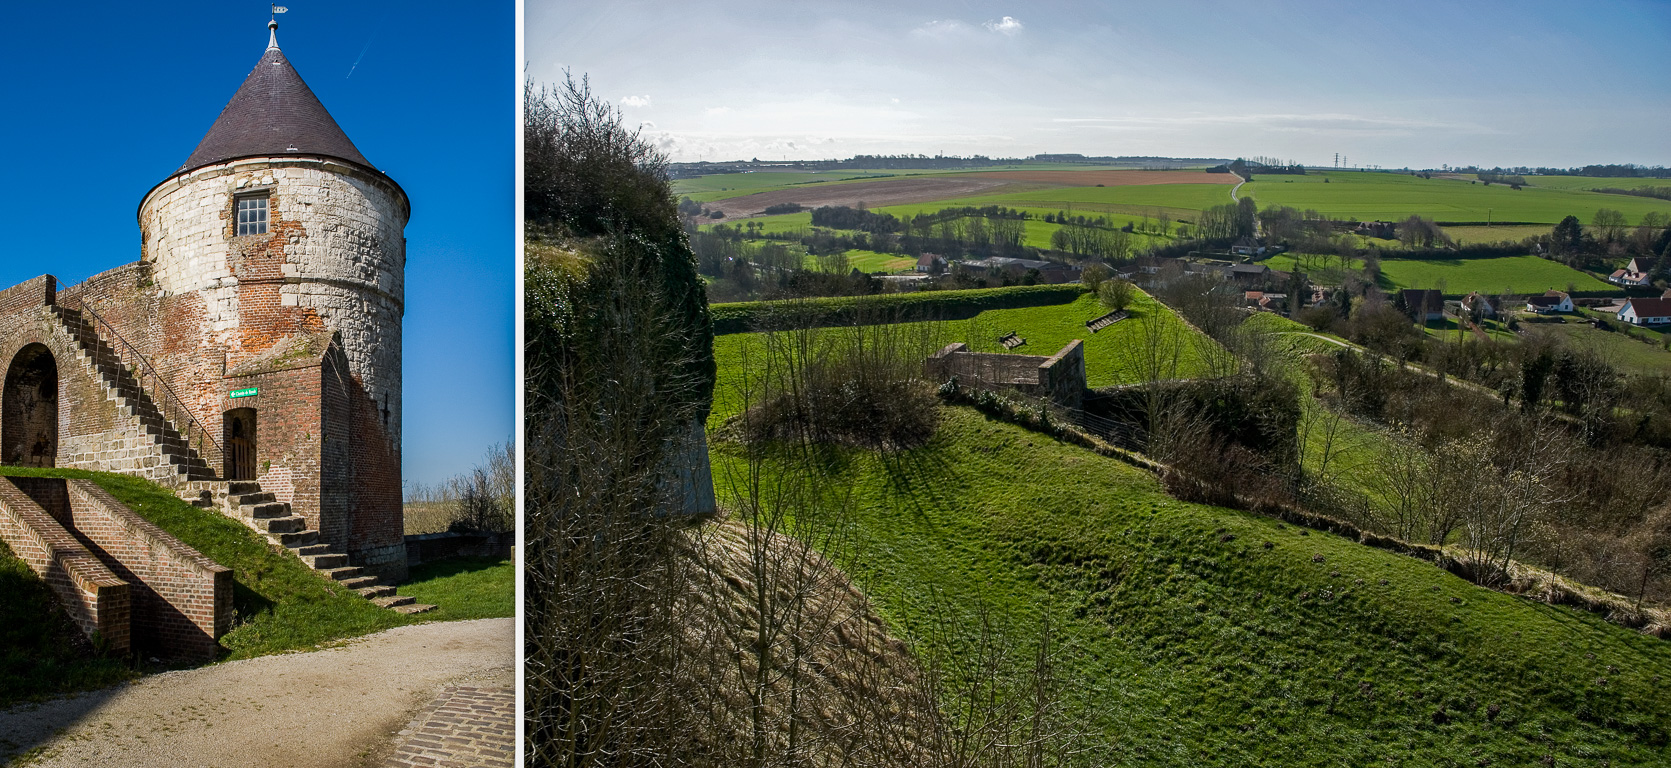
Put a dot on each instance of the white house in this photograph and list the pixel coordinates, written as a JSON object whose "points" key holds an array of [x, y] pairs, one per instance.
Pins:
{"points": [[1646, 311], [1628, 276], [1550, 303]]}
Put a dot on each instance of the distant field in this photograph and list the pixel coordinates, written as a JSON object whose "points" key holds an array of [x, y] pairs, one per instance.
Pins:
{"points": [[1390, 196], [870, 261], [1496, 234], [1517, 274], [724, 185], [1594, 182]]}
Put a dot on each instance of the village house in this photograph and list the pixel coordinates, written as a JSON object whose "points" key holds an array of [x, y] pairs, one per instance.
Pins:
{"points": [[1646, 311], [1479, 303], [1552, 302], [931, 263], [1423, 305]]}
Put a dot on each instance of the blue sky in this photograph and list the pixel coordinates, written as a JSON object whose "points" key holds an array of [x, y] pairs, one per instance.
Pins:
{"points": [[104, 100], [1409, 83]]}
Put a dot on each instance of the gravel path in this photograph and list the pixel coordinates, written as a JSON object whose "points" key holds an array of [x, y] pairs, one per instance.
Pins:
{"points": [[335, 708]]}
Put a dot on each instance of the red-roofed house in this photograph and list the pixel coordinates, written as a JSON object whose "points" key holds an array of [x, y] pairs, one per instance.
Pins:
{"points": [[1646, 311], [1549, 303]]}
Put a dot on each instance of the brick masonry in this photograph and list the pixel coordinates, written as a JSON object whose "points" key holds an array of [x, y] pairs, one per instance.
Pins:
{"points": [[94, 597], [464, 727]]}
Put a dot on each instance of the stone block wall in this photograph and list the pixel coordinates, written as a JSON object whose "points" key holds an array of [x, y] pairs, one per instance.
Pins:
{"points": [[181, 601], [97, 600], [1059, 378]]}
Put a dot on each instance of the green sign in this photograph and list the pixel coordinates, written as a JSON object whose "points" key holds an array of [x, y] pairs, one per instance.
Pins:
{"points": [[251, 392]]}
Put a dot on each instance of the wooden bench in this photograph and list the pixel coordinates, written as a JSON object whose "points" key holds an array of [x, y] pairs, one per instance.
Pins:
{"points": [[1011, 341], [1104, 321]]}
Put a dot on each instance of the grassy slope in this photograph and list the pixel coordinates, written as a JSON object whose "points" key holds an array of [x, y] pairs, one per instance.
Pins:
{"points": [[1594, 182], [279, 604], [1110, 354], [1188, 642]]}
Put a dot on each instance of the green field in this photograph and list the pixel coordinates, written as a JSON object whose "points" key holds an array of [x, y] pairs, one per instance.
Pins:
{"points": [[1595, 182], [1514, 274], [871, 261], [1391, 196], [1632, 355], [720, 186], [1193, 635], [1112, 355], [1498, 234]]}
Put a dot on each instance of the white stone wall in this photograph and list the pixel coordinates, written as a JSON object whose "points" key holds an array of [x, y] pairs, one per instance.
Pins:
{"points": [[347, 259]]}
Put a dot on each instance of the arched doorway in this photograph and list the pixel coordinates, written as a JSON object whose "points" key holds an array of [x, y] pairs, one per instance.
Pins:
{"points": [[240, 444], [29, 409]]}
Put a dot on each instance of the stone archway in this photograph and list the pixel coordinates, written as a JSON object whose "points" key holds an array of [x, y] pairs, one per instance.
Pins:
{"points": [[29, 409]]}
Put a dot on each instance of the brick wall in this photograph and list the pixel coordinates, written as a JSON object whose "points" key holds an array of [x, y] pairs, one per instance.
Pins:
{"points": [[28, 295], [181, 601], [96, 599], [289, 432]]}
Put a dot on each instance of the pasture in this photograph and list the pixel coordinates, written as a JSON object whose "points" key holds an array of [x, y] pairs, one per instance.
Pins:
{"points": [[720, 186], [1595, 182], [1514, 274], [1392, 196]]}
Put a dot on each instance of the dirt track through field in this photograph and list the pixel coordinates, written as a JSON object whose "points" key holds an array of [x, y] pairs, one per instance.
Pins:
{"points": [[335, 708]]}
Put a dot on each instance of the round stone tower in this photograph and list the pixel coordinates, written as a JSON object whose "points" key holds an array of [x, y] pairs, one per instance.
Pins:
{"points": [[282, 228]]}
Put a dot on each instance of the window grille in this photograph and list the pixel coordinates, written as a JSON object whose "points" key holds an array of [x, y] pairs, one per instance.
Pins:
{"points": [[252, 215]]}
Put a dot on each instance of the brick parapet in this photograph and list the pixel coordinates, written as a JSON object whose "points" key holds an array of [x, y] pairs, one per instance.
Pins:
{"points": [[96, 599], [28, 294], [182, 600]]}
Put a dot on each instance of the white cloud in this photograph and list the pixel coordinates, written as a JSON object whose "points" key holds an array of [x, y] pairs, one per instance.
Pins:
{"points": [[894, 100], [940, 28], [636, 101], [1009, 25], [718, 110]]}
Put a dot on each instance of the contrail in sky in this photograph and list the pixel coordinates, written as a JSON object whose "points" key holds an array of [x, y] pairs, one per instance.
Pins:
{"points": [[372, 39]]}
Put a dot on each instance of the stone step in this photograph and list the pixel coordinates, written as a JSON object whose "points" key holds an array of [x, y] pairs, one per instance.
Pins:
{"points": [[375, 591], [298, 538], [264, 511], [343, 573], [241, 499], [239, 487], [325, 561], [309, 550], [291, 524], [358, 582], [414, 608], [392, 601]]}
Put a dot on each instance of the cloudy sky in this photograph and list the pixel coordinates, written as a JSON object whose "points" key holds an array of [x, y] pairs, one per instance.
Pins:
{"points": [[1393, 84]]}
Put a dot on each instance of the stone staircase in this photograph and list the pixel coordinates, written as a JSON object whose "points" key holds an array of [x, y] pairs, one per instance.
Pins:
{"points": [[155, 449], [246, 502]]}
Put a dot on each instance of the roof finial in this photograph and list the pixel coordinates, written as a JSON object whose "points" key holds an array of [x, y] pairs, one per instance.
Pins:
{"points": [[272, 27]]}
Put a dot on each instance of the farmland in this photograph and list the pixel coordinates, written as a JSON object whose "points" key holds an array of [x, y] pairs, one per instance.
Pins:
{"points": [[1391, 197], [1516, 274]]}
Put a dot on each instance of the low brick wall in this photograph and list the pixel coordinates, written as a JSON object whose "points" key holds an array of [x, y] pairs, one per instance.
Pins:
{"points": [[95, 598], [429, 547], [182, 600], [29, 294]]}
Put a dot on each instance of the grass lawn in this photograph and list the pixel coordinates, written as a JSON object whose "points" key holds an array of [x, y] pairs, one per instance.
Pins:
{"points": [[464, 588], [1198, 636], [41, 651], [1112, 355], [871, 261], [279, 604]]}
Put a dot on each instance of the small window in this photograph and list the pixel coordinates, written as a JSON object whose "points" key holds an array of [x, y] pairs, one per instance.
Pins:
{"points": [[252, 215]]}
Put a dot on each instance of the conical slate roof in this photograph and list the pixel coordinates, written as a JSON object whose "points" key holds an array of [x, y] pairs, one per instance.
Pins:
{"points": [[273, 114]]}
